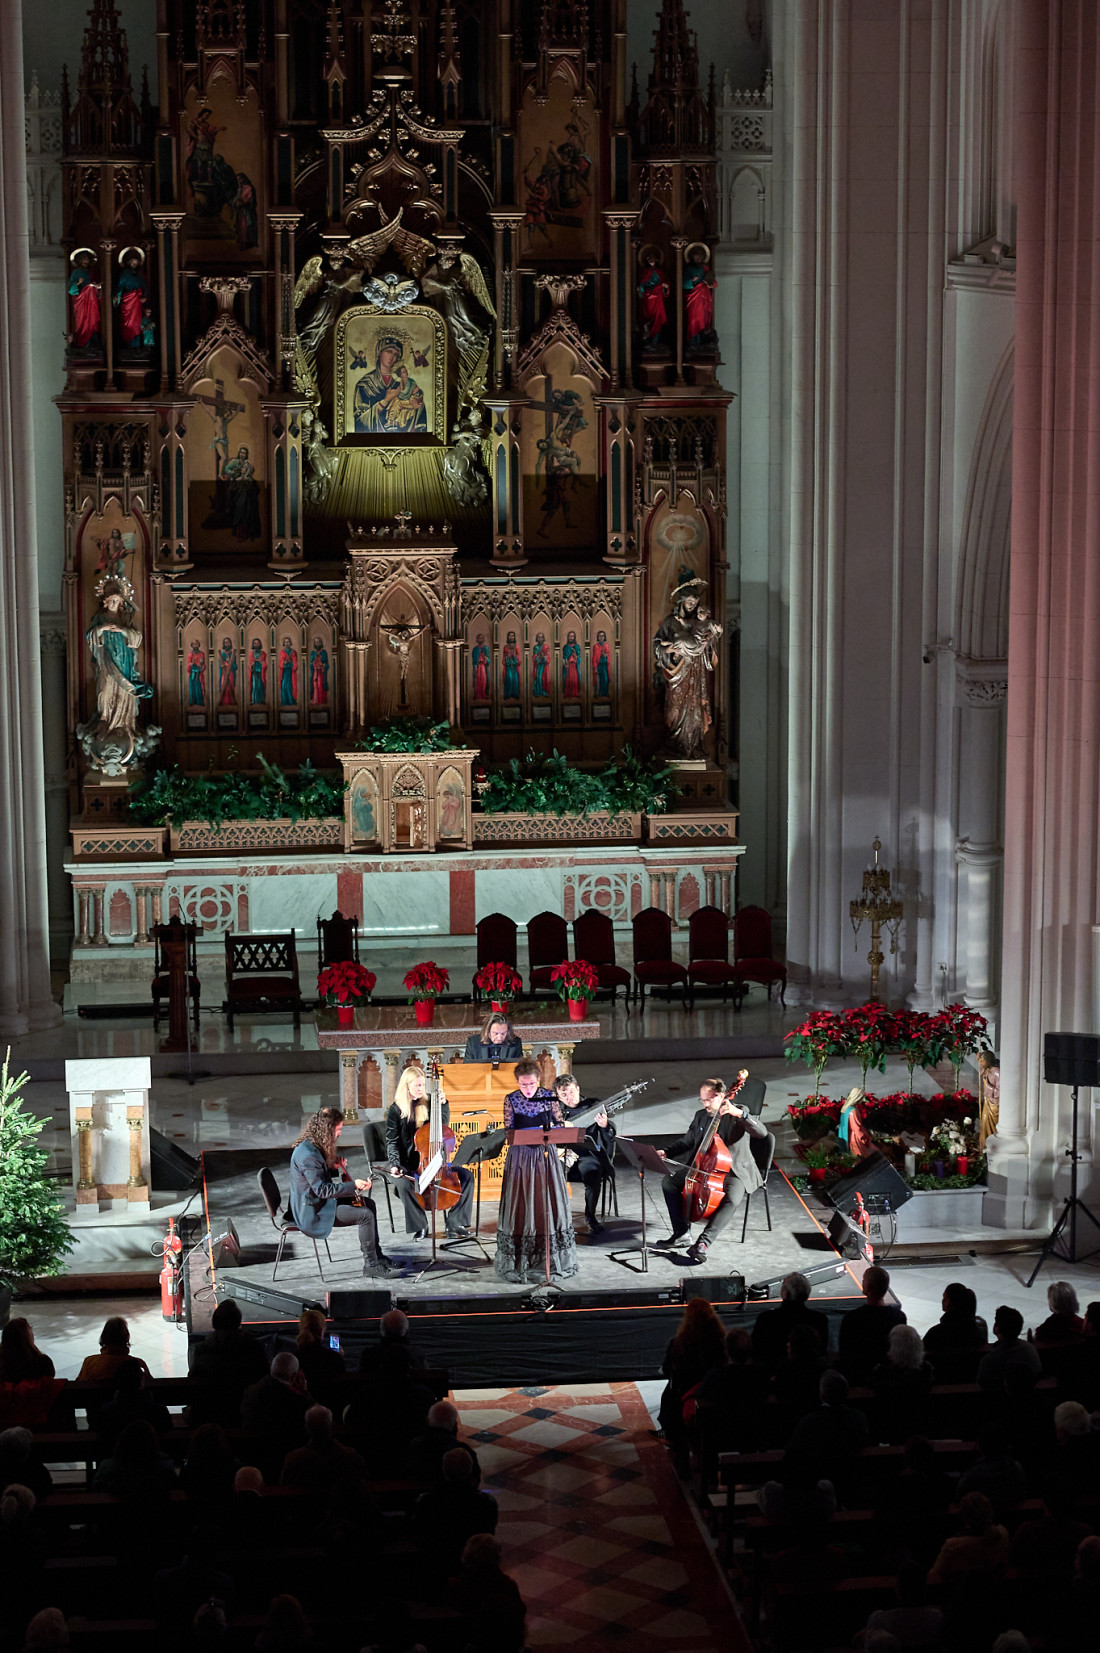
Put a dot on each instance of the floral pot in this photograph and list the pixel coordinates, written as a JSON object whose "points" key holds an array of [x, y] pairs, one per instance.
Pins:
{"points": [[499, 1007], [345, 1015], [578, 1009], [962, 1165], [817, 1176], [425, 1012]]}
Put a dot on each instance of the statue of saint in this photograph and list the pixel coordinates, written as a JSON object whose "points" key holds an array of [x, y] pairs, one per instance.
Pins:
{"points": [[685, 652], [111, 740]]}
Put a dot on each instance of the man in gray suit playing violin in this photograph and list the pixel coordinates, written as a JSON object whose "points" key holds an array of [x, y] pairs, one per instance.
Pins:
{"points": [[735, 1128]]}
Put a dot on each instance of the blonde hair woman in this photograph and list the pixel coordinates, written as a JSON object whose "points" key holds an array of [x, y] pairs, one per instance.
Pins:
{"points": [[405, 1114]]}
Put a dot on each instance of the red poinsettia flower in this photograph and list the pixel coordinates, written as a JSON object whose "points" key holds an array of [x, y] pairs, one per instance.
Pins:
{"points": [[575, 979], [498, 981], [427, 980], [345, 982]]}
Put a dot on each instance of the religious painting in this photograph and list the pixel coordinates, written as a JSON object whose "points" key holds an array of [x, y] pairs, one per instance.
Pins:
{"points": [[450, 804], [223, 170], [559, 150], [364, 808], [572, 675], [288, 671], [322, 679], [196, 678], [254, 679], [481, 633], [560, 463], [390, 374], [602, 668], [510, 664], [227, 667], [540, 667], [228, 504]]}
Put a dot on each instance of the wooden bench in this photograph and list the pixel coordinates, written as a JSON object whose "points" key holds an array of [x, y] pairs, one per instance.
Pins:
{"points": [[261, 973]]}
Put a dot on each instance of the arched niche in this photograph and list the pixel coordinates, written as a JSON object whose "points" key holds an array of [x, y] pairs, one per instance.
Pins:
{"points": [[450, 805], [540, 633], [227, 493], [572, 667], [401, 655], [559, 454], [510, 670], [677, 539], [603, 679], [257, 673]]}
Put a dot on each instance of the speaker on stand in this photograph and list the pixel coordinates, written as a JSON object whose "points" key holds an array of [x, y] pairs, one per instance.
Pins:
{"points": [[1070, 1059]]}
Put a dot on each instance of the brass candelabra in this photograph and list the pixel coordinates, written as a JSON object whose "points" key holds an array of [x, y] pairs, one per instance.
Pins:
{"points": [[879, 907]]}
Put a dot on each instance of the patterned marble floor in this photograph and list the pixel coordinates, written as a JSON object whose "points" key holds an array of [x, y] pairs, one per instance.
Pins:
{"points": [[595, 1527]]}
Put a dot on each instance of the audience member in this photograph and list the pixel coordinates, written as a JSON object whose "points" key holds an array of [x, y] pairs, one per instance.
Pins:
{"points": [[698, 1347], [388, 1409], [255, 1521], [21, 1555], [902, 1384], [226, 1362], [1083, 1596], [131, 1402], [20, 1465], [178, 1592], [286, 1628], [47, 1629], [1080, 1362], [21, 1361], [1063, 1324], [862, 1340], [730, 1400], [1075, 1460], [796, 1380], [322, 1366], [911, 1505], [1046, 1548], [210, 1625], [798, 1498], [114, 1349], [428, 1450], [209, 1468], [997, 1473], [1009, 1350], [393, 1334], [914, 1621], [774, 1327], [979, 1545], [392, 1629], [834, 1434], [447, 1515], [275, 1407], [322, 1463], [491, 1605], [1011, 1641], [957, 1341], [137, 1468]]}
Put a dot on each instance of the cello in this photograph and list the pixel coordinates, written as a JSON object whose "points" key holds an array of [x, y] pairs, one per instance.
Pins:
{"points": [[434, 1138], [705, 1183]]}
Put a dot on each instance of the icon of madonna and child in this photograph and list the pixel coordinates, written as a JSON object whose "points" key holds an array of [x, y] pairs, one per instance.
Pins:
{"points": [[387, 400]]}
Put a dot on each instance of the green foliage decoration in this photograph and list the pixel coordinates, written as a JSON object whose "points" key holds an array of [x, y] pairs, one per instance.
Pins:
{"points": [[171, 795], [408, 734], [34, 1231], [542, 784]]}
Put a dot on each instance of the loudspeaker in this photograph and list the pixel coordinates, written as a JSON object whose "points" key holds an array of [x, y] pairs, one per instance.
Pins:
{"points": [[226, 1244], [268, 1297], [845, 1236], [358, 1305], [1071, 1059], [716, 1288], [873, 1175], [172, 1167]]}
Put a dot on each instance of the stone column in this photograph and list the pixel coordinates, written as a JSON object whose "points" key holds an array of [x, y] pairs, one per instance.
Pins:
{"points": [[85, 1188], [25, 1002], [349, 1086], [1052, 803]]}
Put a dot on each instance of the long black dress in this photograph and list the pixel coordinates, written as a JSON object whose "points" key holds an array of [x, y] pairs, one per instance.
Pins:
{"points": [[521, 1225]]}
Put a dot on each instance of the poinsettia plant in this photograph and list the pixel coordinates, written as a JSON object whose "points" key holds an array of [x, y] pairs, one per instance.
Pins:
{"points": [[427, 981], [868, 1036], [817, 1116], [575, 979], [498, 982], [345, 982], [819, 1037], [956, 1033]]}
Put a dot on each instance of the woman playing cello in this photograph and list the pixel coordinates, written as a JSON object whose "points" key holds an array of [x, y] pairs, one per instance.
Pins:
{"points": [[716, 1168]]}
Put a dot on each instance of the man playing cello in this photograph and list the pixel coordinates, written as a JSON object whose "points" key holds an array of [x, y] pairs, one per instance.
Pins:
{"points": [[735, 1127]]}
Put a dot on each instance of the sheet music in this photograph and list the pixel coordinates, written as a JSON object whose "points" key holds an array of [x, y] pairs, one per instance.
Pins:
{"points": [[430, 1171]]}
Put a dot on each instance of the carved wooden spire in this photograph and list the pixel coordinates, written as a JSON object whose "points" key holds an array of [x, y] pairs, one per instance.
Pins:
{"points": [[677, 118], [104, 120]]}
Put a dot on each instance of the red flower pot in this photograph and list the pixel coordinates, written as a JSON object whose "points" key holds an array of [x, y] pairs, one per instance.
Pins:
{"points": [[425, 1012], [345, 1015], [578, 1009], [817, 1175], [499, 1005], [962, 1164]]}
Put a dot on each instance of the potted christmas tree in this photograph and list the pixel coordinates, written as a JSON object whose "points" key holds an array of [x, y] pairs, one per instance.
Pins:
{"points": [[34, 1232]]}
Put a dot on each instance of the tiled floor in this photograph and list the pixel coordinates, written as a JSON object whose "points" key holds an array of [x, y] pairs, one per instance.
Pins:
{"points": [[595, 1527]]}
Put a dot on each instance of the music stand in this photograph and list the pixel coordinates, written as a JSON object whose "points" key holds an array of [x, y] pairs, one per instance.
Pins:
{"points": [[642, 1157], [474, 1149], [546, 1137]]}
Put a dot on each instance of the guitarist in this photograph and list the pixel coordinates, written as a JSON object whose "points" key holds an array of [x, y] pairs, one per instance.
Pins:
{"points": [[735, 1128], [597, 1155]]}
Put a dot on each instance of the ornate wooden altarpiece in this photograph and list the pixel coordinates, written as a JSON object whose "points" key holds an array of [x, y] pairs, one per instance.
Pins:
{"points": [[391, 386]]}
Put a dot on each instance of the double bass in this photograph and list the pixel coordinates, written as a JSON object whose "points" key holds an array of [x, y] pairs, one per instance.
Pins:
{"points": [[432, 1138], [705, 1183]]}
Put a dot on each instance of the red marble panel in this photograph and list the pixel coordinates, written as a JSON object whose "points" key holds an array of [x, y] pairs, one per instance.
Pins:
{"points": [[463, 909], [120, 923], [349, 892]]}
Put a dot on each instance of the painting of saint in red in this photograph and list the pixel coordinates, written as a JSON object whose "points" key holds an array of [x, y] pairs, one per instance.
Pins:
{"points": [[479, 658], [571, 668], [601, 666]]}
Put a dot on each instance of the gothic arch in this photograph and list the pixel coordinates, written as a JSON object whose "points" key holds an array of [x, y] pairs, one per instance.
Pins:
{"points": [[981, 613]]}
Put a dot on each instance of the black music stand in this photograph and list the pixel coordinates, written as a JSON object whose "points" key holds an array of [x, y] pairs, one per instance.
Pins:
{"points": [[642, 1157], [548, 1138], [436, 1263], [474, 1149]]}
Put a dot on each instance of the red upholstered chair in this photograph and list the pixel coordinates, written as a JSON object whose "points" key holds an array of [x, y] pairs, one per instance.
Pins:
{"points": [[547, 947], [752, 951], [594, 940], [654, 965], [708, 952], [496, 942]]}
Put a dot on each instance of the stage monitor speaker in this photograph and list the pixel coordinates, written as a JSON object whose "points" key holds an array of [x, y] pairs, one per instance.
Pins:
{"points": [[845, 1236], [268, 1297], [226, 1244], [172, 1167], [716, 1288], [358, 1305], [873, 1175], [1071, 1059]]}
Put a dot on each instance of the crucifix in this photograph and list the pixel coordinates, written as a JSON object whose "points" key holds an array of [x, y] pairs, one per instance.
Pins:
{"points": [[400, 635], [222, 412]]}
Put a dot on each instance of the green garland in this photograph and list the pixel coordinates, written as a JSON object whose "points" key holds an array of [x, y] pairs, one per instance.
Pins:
{"points": [[551, 785], [408, 734], [171, 795]]}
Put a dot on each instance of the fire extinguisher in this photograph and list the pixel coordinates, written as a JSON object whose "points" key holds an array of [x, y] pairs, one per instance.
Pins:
{"points": [[171, 1275]]}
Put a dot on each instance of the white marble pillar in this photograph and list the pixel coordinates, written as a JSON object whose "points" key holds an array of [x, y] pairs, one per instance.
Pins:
{"points": [[25, 1002]]}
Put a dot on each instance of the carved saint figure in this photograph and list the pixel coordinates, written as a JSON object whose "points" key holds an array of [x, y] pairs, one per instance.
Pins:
{"points": [[257, 674], [684, 656], [288, 674], [318, 673], [540, 667], [479, 658], [653, 290], [450, 282], [601, 666], [989, 1093], [699, 284], [84, 291], [196, 676], [111, 740], [510, 661], [227, 673], [131, 297], [571, 668]]}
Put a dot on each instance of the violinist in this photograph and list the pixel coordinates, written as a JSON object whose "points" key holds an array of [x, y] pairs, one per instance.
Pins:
{"points": [[321, 1192], [735, 1128], [405, 1114], [596, 1156]]}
